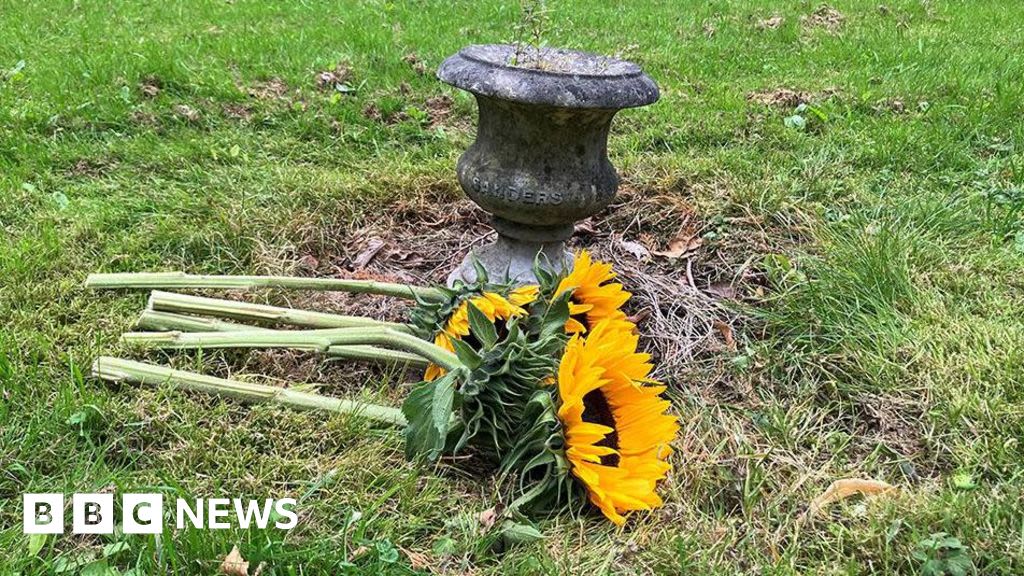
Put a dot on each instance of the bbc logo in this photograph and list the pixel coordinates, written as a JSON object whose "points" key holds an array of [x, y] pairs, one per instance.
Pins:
{"points": [[92, 513], [144, 513]]}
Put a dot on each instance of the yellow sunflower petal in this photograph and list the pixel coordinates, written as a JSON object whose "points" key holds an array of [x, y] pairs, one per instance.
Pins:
{"points": [[617, 448]]}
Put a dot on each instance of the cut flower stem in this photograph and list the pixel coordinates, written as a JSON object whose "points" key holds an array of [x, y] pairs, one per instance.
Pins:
{"points": [[321, 340], [169, 321], [186, 304], [120, 370], [182, 280]]}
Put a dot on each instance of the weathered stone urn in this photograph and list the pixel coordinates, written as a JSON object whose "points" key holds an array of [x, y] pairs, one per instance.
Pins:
{"points": [[540, 159]]}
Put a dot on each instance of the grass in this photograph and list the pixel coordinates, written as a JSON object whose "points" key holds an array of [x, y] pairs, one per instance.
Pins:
{"points": [[887, 341]]}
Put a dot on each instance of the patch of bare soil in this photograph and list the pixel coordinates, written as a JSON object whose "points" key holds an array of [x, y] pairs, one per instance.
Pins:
{"points": [[335, 79], [150, 86], [772, 23], [439, 108], [237, 111], [89, 167], [272, 89], [144, 118], [186, 112], [417, 65], [824, 17], [788, 98], [780, 97]]}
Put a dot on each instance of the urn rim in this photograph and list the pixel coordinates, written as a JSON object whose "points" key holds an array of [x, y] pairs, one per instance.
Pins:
{"points": [[570, 78]]}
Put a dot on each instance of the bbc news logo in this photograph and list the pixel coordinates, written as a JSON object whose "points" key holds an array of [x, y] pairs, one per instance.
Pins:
{"points": [[144, 513]]}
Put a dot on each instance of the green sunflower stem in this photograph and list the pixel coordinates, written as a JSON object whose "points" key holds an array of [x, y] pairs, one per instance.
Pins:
{"points": [[120, 370], [186, 304], [182, 280], [169, 321], [320, 340]]}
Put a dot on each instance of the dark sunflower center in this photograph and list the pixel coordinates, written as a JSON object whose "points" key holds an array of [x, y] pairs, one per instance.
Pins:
{"points": [[582, 316], [597, 411], [475, 343]]}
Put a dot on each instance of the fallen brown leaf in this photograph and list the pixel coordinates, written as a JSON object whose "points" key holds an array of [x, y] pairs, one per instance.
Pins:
{"points": [[417, 560], [585, 227], [639, 316], [234, 564], [373, 246], [770, 23], [636, 249], [726, 331], [724, 290], [488, 517], [841, 489], [682, 244]]}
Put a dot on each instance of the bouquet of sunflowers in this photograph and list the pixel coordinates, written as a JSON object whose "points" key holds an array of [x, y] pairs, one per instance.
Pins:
{"points": [[545, 380]]}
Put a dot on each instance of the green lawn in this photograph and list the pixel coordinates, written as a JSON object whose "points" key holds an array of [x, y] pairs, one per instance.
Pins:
{"points": [[877, 253]]}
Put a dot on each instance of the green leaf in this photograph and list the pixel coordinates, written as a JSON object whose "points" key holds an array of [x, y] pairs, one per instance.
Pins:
{"points": [[445, 546], [35, 544], [557, 315], [515, 533], [99, 568], [466, 355], [386, 551], [60, 199], [481, 327], [959, 565], [795, 121], [429, 410], [114, 549], [964, 481]]}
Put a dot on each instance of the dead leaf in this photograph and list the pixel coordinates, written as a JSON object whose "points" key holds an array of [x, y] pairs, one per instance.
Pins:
{"points": [[639, 316], [373, 246], [723, 290], [234, 564], [726, 331], [585, 227], [683, 243], [358, 552], [308, 262], [772, 23], [417, 560], [636, 249], [488, 517], [841, 489], [406, 258]]}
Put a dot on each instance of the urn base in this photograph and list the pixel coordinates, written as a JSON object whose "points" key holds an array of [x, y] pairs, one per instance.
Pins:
{"points": [[511, 260]]}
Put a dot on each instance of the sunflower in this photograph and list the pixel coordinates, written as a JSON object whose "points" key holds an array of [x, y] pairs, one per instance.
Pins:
{"points": [[494, 306], [594, 296], [617, 433]]}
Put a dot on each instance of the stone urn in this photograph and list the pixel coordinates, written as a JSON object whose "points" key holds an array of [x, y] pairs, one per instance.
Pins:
{"points": [[540, 159]]}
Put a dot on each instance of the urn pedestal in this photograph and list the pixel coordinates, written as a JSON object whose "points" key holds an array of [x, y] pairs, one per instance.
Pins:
{"points": [[540, 159]]}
